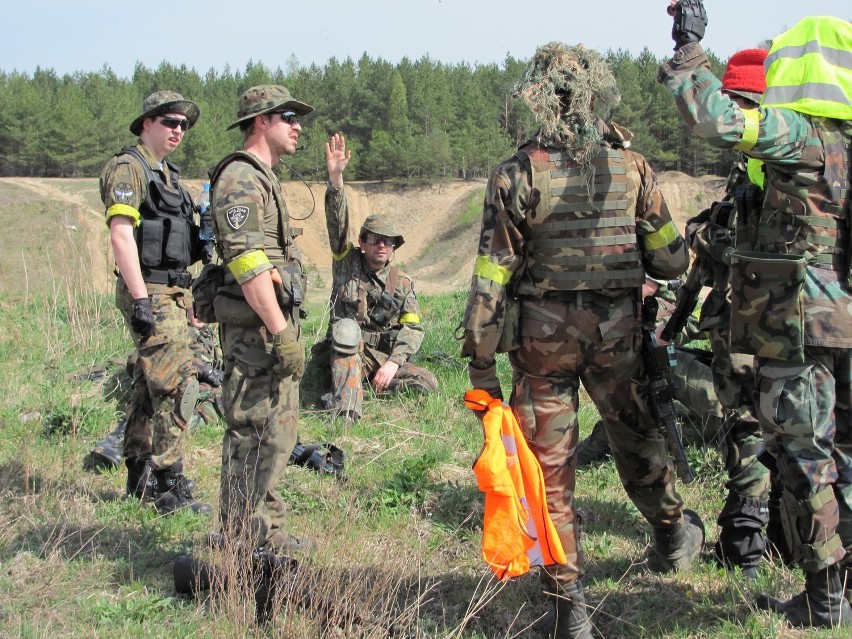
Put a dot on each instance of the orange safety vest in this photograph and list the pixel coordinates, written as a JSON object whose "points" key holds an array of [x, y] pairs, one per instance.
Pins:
{"points": [[517, 531]]}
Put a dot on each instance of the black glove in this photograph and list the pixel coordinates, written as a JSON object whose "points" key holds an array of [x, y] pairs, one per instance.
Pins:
{"points": [[142, 319], [690, 21], [211, 375]]}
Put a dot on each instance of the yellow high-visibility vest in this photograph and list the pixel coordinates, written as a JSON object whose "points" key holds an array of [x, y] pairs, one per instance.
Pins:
{"points": [[809, 68]]}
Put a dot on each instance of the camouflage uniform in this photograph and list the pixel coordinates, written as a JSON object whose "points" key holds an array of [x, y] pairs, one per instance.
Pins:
{"points": [[803, 392], [745, 514], [261, 405], [164, 378], [390, 330], [556, 284]]}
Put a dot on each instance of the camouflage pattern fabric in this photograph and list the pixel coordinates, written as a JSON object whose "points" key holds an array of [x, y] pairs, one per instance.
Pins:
{"points": [[260, 406], [571, 336], [393, 333], [261, 412], [803, 408], [590, 340], [163, 370]]}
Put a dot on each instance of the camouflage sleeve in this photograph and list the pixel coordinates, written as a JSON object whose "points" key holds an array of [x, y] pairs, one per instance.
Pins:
{"points": [[764, 133], [239, 199], [497, 260], [664, 252], [337, 221], [123, 188], [411, 333]]}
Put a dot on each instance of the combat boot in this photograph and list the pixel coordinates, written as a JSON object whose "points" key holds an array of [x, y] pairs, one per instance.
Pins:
{"points": [[677, 546], [141, 483], [569, 618], [594, 448], [173, 494], [106, 455], [822, 604]]}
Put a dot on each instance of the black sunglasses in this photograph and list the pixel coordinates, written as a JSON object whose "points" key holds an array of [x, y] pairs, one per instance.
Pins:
{"points": [[173, 123], [290, 117], [374, 238]]}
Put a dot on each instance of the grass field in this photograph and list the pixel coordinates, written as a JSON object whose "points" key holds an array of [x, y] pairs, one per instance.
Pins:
{"points": [[397, 544]]}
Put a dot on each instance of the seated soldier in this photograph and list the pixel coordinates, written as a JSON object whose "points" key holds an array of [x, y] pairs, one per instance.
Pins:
{"points": [[375, 318]]}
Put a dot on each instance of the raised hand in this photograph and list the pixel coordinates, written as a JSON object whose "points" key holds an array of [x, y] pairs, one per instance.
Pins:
{"points": [[336, 158]]}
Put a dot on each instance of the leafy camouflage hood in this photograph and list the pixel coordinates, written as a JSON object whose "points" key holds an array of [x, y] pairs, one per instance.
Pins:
{"points": [[568, 89]]}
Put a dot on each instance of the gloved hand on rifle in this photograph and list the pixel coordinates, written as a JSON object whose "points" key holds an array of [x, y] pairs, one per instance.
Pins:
{"points": [[690, 21], [142, 318], [483, 375], [291, 355]]}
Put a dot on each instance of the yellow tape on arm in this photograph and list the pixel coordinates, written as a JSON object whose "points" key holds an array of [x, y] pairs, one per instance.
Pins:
{"points": [[750, 130], [484, 267], [247, 262], [663, 237], [337, 258], [410, 318], [126, 211]]}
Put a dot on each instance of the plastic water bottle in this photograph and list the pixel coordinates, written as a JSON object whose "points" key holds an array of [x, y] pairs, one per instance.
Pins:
{"points": [[205, 234]]}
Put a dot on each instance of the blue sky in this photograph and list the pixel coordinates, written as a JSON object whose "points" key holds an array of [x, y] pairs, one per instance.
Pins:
{"points": [[85, 35]]}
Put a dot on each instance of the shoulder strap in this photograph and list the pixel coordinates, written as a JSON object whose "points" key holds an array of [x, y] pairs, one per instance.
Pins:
{"points": [[260, 166], [393, 280]]}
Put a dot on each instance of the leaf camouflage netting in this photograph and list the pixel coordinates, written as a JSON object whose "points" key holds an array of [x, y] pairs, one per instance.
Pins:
{"points": [[568, 89]]}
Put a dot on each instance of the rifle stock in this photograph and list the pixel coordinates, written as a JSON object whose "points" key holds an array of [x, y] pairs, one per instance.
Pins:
{"points": [[658, 360], [687, 300]]}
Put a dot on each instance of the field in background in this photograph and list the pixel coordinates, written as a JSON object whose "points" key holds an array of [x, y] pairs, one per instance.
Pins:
{"points": [[397, 544]]}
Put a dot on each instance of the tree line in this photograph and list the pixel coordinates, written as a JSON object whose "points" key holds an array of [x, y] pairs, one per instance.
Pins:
{"points": [[416, 120]]}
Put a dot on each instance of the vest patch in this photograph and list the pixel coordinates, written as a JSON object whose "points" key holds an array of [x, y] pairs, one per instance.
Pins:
{"points": [[122, 193], [237, 216]]}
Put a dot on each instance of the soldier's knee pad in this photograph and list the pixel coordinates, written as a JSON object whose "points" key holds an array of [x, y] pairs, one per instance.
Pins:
{"points": [[186, 400], [346, 336]]}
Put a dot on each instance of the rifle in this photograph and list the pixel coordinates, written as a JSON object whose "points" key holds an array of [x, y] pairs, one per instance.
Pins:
{"points": [[687, 300], [658, 360]]}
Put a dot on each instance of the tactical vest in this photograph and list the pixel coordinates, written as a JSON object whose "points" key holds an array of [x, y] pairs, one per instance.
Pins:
{"points": [[806, 212], [167, 233], [581, 236], [290, 281]]}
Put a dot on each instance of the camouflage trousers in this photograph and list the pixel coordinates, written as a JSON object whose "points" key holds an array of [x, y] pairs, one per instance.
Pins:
{"points": [[592, 339], [804, 410], [261, 412], [349, 373], [745, 514], [164, 382], [695, 399]]}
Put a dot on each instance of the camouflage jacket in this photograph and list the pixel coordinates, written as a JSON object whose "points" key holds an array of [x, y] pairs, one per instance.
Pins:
{"points": [[512, 206], [394, 329], [248, 224], [806, 204], [123, 188]]}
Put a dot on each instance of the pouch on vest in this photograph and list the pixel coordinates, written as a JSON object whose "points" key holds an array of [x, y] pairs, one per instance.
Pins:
{"points": [[510, 337], [231, 307], [204, 289], [291, 290], [767, 318]]}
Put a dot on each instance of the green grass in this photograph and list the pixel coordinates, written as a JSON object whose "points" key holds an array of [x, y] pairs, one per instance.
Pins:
{"points": [[397, 544]]}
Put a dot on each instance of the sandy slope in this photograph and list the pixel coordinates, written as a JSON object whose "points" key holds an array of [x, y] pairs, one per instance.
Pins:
{"points": [[437, 253]]}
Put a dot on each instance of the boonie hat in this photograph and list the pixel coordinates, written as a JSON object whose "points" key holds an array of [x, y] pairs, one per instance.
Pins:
{"points": [[165, 102], [381, 225], [264, 99], [745, 76]]}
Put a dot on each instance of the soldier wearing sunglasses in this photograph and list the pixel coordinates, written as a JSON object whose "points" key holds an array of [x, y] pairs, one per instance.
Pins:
{"points": [[375, 318], [154, 238], [258, 309]]}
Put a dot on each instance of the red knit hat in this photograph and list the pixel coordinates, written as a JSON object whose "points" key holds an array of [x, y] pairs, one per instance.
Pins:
{"points": [[745, 75]]}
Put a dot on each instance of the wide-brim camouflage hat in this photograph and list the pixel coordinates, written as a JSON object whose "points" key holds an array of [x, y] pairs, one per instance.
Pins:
{"points": [[381, 225], [265, 99], [165, 102]]}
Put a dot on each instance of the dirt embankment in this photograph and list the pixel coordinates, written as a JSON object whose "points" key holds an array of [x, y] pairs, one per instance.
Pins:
{"points": [[438, 250]]}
